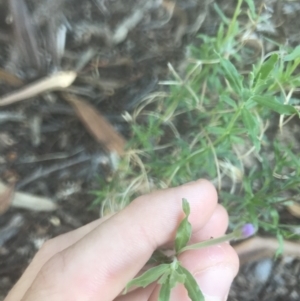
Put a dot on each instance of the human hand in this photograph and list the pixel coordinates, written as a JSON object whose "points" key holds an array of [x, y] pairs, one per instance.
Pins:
{"points": [[95, 262]]}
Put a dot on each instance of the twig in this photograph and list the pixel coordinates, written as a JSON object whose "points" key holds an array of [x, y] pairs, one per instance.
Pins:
{"points": [[39, 173], [11, 229], [59, 80]]}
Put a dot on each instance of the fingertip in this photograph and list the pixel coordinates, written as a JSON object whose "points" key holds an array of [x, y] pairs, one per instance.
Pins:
{"points": [[216, 226], [214, 269]]}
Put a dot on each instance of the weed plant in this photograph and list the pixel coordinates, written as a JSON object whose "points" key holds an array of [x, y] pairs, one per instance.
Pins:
{"points": [[221, 119]]}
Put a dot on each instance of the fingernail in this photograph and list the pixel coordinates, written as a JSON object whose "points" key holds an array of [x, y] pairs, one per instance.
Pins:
{"points": [[215, 282]]}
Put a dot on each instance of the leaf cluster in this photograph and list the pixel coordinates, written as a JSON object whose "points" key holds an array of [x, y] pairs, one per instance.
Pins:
{"points": [[168, 275]]}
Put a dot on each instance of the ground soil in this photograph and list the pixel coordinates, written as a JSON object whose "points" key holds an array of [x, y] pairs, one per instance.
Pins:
{"points": [[47, 151]]}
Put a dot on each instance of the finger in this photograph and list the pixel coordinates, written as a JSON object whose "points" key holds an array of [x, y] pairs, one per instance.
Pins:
{"points": [[215, 227], [103, 262], [49, 249], [214, 269]]}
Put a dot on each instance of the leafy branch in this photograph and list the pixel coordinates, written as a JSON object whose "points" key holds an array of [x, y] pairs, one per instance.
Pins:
{"points": [[168, 275]]}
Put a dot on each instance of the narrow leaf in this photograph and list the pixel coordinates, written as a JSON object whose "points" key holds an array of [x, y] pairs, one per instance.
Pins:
{"points": [[271, 103], [186, 207], [164, 278], [293, 55], [261, 86], [267, 67], [184, 230], [251, 5], [232, 75], [148, 277], [229, 101], [251, 126], [165, 292], [191, 285], [176, 277]]}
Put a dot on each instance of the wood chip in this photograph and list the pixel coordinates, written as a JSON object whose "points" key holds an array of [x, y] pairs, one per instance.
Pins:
{"points": [[29, 201], [57, 81], [257, 248], [97, 125]]}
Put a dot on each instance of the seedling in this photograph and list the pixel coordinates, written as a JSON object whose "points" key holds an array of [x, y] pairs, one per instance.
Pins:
{"points": [[170, 272]]}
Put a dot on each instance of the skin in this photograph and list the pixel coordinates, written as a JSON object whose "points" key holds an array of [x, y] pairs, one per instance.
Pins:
{"points": [[96, 261]]}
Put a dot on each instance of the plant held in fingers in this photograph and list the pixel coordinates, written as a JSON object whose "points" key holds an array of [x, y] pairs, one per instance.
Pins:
{"points": [[170, 272]]}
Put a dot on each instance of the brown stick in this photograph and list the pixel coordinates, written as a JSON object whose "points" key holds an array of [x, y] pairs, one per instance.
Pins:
{"points": [[258, 248]]}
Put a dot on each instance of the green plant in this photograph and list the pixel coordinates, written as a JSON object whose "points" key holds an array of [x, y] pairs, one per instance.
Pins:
{"points": [[170, 272], [217, 121]]}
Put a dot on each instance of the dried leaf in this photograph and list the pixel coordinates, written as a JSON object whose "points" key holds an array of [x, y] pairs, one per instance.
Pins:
{"points": [[294, 209], [10, 79], [57, 81], [97, 125], [6, 197]]}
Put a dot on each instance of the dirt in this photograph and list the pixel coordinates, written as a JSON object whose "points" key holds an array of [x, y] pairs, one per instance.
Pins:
{"points": [[48, 152]]}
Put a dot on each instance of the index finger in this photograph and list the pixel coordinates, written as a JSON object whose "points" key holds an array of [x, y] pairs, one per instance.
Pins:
{"points": [[100, 264]]}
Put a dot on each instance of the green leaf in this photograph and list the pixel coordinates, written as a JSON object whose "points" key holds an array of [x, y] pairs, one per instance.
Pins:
{"points": [[184, 230], [267, 67], [191, 285], [251, 126], [280, 249], [251, 5], [293, 55], [261, 86], [228, 100], [176, 277], [232, 75], [148, 277], [271, 103], [219, 11], [216, 130], [186, 207], [165, 292]]}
